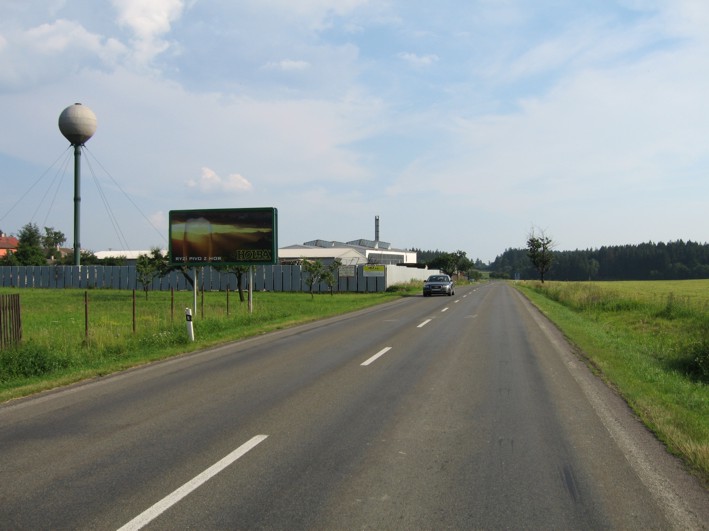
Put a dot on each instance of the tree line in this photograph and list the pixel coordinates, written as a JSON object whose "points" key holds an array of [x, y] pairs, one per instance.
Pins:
{"points": [[450, 263], [675, 260], [37, 248]]}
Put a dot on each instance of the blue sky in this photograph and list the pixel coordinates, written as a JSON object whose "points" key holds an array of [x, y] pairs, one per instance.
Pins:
{"points": [[461, 124]]}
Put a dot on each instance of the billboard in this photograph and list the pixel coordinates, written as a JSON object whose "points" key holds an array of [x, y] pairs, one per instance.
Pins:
{"points": [[236, 236], [374, 270]]}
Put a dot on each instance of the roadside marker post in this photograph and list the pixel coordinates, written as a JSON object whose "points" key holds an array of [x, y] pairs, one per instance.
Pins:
{"points": [[190, 327]]}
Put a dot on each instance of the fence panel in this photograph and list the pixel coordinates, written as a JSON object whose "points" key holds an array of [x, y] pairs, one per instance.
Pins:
{"points": [[277, 278], [258, 278], [268, 278], [10, 320], [216, 279], [91, 277], [20, 277], [67, 277], [227, 281], [59, 277], [26, 279], [131, 277], [83, 277], [286, 280], [45, 275]]}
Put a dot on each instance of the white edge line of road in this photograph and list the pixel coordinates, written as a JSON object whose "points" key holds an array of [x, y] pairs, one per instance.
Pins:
{"points": [[376, 356], [168, 501]]}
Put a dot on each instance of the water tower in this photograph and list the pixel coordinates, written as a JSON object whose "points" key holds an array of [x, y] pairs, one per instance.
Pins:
{"points": [[77, 123]]}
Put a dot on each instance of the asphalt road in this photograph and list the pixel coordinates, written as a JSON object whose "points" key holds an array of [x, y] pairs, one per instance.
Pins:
{"points": [[450, 412]]}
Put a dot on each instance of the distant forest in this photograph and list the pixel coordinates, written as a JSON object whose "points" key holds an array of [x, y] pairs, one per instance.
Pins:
{"points": [[677, 260]]}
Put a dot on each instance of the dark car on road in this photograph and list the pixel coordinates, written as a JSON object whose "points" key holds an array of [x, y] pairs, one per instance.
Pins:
{"points": [[438, 285]]}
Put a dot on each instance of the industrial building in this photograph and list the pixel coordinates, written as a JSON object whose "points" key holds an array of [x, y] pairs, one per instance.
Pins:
{"points": [[350, 253], [354, 252]]}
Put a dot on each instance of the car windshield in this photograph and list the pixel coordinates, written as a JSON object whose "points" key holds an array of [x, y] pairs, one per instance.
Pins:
{"points": [[438, 279]]}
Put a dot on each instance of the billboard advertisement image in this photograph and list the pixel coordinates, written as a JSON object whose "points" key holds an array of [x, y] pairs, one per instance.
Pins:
{"points": [[238, 236]]}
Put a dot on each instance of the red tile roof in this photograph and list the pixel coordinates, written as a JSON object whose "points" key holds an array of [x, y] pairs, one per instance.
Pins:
{"points": [[8, 242]]}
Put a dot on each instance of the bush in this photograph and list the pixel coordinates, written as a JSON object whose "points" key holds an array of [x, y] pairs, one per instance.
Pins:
{"points": [[396, 288], [676, 308], [29, 360], [413, 285], [697, 359]]}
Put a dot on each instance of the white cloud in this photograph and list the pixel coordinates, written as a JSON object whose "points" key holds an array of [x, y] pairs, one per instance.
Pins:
{"points": [[209, 182], [149, 21], [418, 60], [51, 51], [315, 13], [287, 65]]}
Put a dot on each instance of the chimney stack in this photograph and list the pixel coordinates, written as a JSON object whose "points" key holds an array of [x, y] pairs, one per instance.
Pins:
{"points": [[376, 228]]}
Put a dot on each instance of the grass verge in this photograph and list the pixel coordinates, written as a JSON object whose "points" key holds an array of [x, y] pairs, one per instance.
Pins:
{"points": [[72, 335], [649, 343]]}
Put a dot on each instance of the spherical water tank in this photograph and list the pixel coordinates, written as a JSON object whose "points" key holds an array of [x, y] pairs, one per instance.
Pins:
{"points": [[77, 123]]}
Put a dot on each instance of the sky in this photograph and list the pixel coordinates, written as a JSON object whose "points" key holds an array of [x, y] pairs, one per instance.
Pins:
{"points": [[462, 124]]}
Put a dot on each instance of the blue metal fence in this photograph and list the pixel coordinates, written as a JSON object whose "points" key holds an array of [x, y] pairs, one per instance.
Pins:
{"points": [[266, 278]]}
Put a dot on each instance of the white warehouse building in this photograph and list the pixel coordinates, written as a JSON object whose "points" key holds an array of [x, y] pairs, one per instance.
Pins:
{"points": [[350, 253]]}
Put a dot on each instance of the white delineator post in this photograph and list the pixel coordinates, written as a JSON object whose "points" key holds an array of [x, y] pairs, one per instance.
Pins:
{"points": [[190, 327]]}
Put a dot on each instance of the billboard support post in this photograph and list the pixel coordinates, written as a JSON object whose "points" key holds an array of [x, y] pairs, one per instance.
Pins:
{"points": [[251, 289], [194, 289]]}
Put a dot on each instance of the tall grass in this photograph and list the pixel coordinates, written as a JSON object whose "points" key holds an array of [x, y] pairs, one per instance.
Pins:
{"points": [[650, 340], [60, 345]]}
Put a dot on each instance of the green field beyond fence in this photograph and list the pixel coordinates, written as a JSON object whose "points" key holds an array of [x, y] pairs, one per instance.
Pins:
{"points": [[650, 340]]}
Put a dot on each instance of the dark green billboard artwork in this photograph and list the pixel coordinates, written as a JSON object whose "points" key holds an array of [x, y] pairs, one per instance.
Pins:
{"points": [[236, 236]]}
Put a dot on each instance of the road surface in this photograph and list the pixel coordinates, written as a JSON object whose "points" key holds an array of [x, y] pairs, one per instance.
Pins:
{"points": [[456, 412]]}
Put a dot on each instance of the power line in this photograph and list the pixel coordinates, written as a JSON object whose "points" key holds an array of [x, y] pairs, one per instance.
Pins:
{"points": [[32, 186], [162, 236], [111, 216], [60, 175]]}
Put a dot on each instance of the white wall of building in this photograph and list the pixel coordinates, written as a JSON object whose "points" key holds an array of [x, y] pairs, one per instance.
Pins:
{"points": [[402, 275]]}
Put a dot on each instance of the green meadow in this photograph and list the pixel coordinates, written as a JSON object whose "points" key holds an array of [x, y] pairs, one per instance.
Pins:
{"points": [[650, 341]]}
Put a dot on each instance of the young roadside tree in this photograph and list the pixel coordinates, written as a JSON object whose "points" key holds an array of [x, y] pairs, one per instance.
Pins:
{"points": [[239, 271], [316, 272], [330, 276], [539, 251], [149, 266]]}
